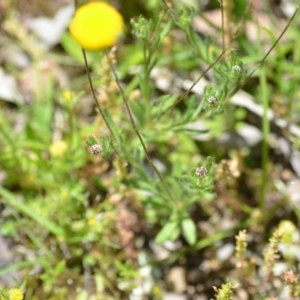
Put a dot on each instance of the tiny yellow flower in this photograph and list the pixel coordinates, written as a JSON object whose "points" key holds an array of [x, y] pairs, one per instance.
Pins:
{"points": [[64, 195], [67, 94], [58, 148], [96, 25], [287, 229], [15, 294], [92, 222]]}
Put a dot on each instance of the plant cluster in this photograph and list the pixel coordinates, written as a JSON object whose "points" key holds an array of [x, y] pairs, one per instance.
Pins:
{"points": [[92, 221]]}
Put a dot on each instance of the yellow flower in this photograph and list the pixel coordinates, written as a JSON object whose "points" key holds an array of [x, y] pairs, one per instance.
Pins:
{"points": [[58, 148], [67, 94], [92, 222], [96, 25], [287, 229], [15, 294]]}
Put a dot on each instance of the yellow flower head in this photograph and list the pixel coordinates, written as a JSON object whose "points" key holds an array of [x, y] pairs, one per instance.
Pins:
{"points": [[92, 222], [67, 94], [96, 25], [288, 229], [58, 148], [15, 294]]}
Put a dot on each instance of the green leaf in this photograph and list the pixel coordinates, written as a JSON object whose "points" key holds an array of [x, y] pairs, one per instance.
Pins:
{"points": [[166, 30], [91, 141], [234, 59], [11, 200], [163, 103], [169, 231], [59, 268], [139, 111], [175, 234], [189, 230], [190, 131], [209, 163], [20, 265], [111, 123], [73, 48]]}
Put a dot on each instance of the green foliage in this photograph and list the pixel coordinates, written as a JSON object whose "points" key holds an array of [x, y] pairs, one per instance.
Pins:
{"points": [[150, 181], [225, 292]]}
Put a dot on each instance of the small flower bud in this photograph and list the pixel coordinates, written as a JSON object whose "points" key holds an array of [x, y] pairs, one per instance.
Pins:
{"points": [[185, 18], [213, 100], [237, 68], [96, 149], [291, 280], [289, 277], [201, 172], [58, 148], [241, 246]]}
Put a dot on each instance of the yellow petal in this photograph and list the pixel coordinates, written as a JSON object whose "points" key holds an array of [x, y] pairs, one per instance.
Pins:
{"points": [[16, 294], [96, 25], [58, 148]]}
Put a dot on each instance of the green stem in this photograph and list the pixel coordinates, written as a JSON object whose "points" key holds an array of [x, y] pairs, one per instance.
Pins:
{"points": [[266, 133], [94, 93], [137, 132], [146, 84], [185, 95]]}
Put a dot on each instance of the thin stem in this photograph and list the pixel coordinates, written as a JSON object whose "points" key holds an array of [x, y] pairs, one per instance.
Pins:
{"points": [[266, 133], [266, 55], [213, 64], [223, 53], [196, 81], [146, 87], [223, 32], [91, 84], [94, 93], [136, 130], [277, 41], [227, 6]]}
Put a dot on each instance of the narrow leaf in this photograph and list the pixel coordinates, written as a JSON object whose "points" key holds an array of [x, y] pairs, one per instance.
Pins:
{"points": [[167, 232], [111, 123], [189, 230], [13, 201]]}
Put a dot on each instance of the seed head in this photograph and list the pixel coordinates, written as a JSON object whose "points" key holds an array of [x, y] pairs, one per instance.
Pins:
{"points": [[213, 100], [96, 149], [237, 68], [201, 172]]}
